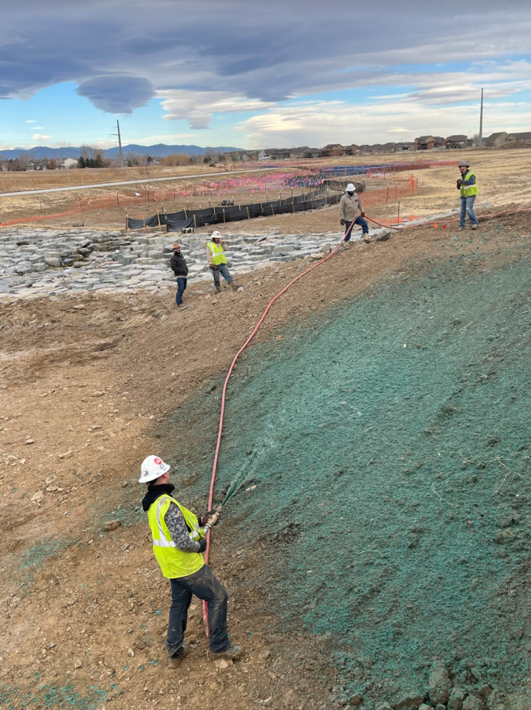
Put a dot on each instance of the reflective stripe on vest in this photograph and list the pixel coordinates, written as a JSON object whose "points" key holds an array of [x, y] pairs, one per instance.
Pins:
{"points": [[469, 190], [218, 255], [173, 562]]}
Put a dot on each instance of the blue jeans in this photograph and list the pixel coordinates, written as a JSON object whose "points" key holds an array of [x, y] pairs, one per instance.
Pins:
{"points": [[205, 586], [359, 220], [467, 208], [181, 287], [224, 271]]}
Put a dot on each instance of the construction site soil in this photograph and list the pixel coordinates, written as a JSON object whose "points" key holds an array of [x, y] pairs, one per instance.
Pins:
{"points": [[374, 468]]}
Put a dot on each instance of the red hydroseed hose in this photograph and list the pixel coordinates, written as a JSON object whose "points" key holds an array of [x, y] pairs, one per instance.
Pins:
{"points": [[233, 363], [224, 394], [448, 221]]}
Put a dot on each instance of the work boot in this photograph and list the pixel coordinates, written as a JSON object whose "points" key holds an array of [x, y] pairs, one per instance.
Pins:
{"points": [[181, 306], [218, 289], [230, 652], [474, 226], [233, 286], [177, 657]]}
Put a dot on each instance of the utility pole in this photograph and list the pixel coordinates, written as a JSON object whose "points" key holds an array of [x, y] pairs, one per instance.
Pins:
{"points": [[119, 143], [481, 122]]}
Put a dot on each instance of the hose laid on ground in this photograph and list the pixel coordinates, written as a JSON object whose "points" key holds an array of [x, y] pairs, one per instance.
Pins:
{"points": [[224, 393], [448, 221], [251, 336]]}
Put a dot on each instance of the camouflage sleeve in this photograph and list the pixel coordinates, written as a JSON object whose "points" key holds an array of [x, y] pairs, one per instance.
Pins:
{"points": [[179, 532]]}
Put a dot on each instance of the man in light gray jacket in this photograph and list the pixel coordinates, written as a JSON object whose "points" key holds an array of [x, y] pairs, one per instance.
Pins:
{"points": [[349, 207]]}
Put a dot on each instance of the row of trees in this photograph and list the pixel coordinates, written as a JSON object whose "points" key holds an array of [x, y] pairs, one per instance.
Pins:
{"points": [[91, 157]]}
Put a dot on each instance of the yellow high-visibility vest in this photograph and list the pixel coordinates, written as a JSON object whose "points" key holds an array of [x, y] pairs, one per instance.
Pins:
{"points": [[173, 562], [218, 255], [469, 190]]}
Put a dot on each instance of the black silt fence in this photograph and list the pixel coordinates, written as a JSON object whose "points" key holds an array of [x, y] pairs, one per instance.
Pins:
{"points": [[177, 221]]}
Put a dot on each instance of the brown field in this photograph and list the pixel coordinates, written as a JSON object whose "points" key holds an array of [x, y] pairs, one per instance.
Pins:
{"points": [[104, 207]]}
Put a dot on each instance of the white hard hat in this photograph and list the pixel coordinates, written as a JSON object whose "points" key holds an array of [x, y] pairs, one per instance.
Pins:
{"points": [[350, 188], [152, 468], [216, 235]]}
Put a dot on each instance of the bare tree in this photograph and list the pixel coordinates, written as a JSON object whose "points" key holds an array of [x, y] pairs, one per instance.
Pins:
{"points": [[24, 161]]}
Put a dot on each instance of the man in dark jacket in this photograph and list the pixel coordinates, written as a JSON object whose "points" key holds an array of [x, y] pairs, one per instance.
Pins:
{"points": [[180, 269]]}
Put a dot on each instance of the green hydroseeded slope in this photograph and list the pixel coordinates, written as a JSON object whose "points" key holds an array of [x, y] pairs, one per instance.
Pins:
{"points": [[391, 483]]}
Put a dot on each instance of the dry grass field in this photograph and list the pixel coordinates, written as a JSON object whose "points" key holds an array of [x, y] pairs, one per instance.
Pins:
{"points": [[502, 176]]}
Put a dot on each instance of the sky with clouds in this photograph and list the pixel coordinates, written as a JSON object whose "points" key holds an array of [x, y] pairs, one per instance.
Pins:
{"points": [[260, 74]]}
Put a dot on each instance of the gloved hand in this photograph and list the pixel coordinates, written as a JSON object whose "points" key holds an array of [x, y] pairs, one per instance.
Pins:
{"points": [[202, 544], [459, 183], [213, 267], [341, 221], [204, 519], [362, 214]]}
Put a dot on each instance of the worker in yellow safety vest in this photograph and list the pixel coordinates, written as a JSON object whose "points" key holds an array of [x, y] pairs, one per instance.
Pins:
{"points": [[467, 185], [179, 538], [217, 261]]}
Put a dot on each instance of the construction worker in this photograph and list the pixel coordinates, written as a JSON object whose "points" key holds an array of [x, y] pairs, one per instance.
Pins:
{"points": [[349, 206], [179, 538], [467, 185], [217, 261], [180, 268]]}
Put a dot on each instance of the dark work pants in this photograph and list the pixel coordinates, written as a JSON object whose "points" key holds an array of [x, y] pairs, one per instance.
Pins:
{"points": [[205, 586], [181, 287], [362, 223]]}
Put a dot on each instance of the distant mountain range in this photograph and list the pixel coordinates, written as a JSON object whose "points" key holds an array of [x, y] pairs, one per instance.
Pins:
{"points": [[161, 150]]}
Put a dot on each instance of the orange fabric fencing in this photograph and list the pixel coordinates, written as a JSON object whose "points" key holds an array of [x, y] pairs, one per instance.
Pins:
{"points": [[165, 200]]}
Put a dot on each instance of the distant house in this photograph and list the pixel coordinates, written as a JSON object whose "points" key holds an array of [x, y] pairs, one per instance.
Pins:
{"points": [[279, 154], [38, 164], [457, 141], [424, 143], [495, 140], [351, 149], [332, 150], [522, 137], [67, 163], [429, 142], [263, 155], [312, 153]]}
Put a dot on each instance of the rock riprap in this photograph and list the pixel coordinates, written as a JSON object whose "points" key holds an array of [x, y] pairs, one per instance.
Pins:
{"points": [[44, 262]]}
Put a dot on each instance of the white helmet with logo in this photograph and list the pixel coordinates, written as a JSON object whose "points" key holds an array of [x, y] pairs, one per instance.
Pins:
{"points": [[216, 235], [152, 468], [350, 188]]}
